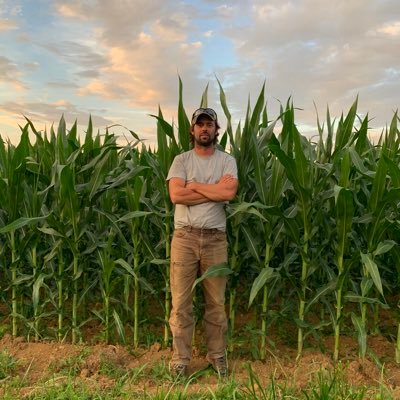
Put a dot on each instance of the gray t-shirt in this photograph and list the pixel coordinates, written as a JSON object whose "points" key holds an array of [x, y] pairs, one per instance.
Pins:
{"points": [[192, 167]]}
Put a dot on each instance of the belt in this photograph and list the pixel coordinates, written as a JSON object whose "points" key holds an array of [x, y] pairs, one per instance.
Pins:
{"points": [[201, 230]]}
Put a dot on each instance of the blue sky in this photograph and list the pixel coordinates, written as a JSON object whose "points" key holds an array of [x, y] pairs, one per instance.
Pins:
{"points": [[119, 60]]}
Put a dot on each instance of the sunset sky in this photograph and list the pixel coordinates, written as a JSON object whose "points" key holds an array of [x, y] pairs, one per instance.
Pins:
{"points": [[119, 60]]}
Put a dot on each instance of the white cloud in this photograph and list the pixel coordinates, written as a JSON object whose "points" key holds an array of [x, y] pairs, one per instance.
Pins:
{"points": [[317, 50], [118, 20], [225, 11], [171, 29], [70, 11], [143, 49], [391, 29]]}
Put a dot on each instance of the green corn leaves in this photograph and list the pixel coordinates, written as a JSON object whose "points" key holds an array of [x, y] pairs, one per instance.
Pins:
{"points": [[372, 270], [212, 272], [86, 226]]}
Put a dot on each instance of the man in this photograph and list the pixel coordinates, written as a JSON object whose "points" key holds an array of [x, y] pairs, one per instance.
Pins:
{"points": [[201, 182]]}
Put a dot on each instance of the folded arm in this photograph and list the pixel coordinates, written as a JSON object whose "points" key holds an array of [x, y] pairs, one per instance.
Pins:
{"points": [[180, 194], [224, 190]]}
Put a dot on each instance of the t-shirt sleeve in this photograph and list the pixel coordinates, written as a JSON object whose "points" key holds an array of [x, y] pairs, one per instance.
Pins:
{"points": [[231, 167], [177, 169]]}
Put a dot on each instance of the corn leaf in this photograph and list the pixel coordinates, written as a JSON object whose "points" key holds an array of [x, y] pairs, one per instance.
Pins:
{"points": [[373, 270], [21, 222], [212, 272], [119, 325], [263, 277], [384, 247], [362, 334]]}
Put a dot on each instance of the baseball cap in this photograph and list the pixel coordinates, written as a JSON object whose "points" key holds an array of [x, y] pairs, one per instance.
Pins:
{"points": [[204, 111]]}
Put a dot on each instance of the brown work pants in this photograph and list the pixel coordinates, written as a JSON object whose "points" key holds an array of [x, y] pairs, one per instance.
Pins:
{"points": [[193, 251]]}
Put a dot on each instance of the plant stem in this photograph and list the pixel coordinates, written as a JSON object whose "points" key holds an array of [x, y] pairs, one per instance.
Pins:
{"points": [[375, 329], [232, 293], [107, 317], [232, 316], [60, 295], [398, 345], [264, 323], [337, 323], [167, 273], [75, 302], [338, 304], [304, 271], [136, 301], [268, 253], [36, 306], [14, 289], [127, 285]]}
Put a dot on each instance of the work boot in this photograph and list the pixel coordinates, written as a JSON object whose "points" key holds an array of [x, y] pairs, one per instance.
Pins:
{"points": [[220, 366], [178, 370]]}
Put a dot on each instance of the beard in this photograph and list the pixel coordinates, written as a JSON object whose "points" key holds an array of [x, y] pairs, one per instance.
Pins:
{"points": [[206, 141]]}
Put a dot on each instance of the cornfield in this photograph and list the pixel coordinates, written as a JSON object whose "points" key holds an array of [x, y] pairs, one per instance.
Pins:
{"points": [[314, 231]]}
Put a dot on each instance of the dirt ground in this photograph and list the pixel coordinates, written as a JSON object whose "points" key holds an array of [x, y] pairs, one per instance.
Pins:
{"points": [[40, 363]]}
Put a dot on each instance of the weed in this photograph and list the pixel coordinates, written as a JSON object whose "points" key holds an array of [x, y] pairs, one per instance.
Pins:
{"points": [[332, 386], [8, 364], [72, 365], [110, 369], [135, 374], [3, 330]]}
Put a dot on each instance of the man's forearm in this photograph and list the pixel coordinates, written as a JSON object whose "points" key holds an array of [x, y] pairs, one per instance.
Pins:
{"points": [[215, 192], [188, 197]]}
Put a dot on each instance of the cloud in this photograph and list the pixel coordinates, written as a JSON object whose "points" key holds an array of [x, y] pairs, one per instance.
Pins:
{"points": [[391, 29], [49, 113], [126, 56], [6, 25], [77, 53], [88, 73], [143, 49], [119, 20], [30, 66], [131, 52], [71, 11], [317, 51], [140, 48], [62, 84], [9, 74], [225, 11], [143, 75], [10, 8]]}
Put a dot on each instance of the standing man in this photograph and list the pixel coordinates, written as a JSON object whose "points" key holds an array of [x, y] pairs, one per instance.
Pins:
{"points": [[201, 182]]}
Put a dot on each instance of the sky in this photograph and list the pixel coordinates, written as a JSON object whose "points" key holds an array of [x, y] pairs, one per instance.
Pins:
{"points": [[119, 61]]}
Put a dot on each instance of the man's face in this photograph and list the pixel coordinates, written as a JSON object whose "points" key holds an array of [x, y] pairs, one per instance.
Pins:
{"points": [[204, 131]]}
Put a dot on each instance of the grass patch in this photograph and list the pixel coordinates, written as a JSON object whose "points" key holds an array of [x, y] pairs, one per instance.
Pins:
{"points": [[155, 382], [71, 366], [8, 365]]}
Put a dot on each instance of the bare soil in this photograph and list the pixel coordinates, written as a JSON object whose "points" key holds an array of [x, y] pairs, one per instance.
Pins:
{"points": [[44, 363]]}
